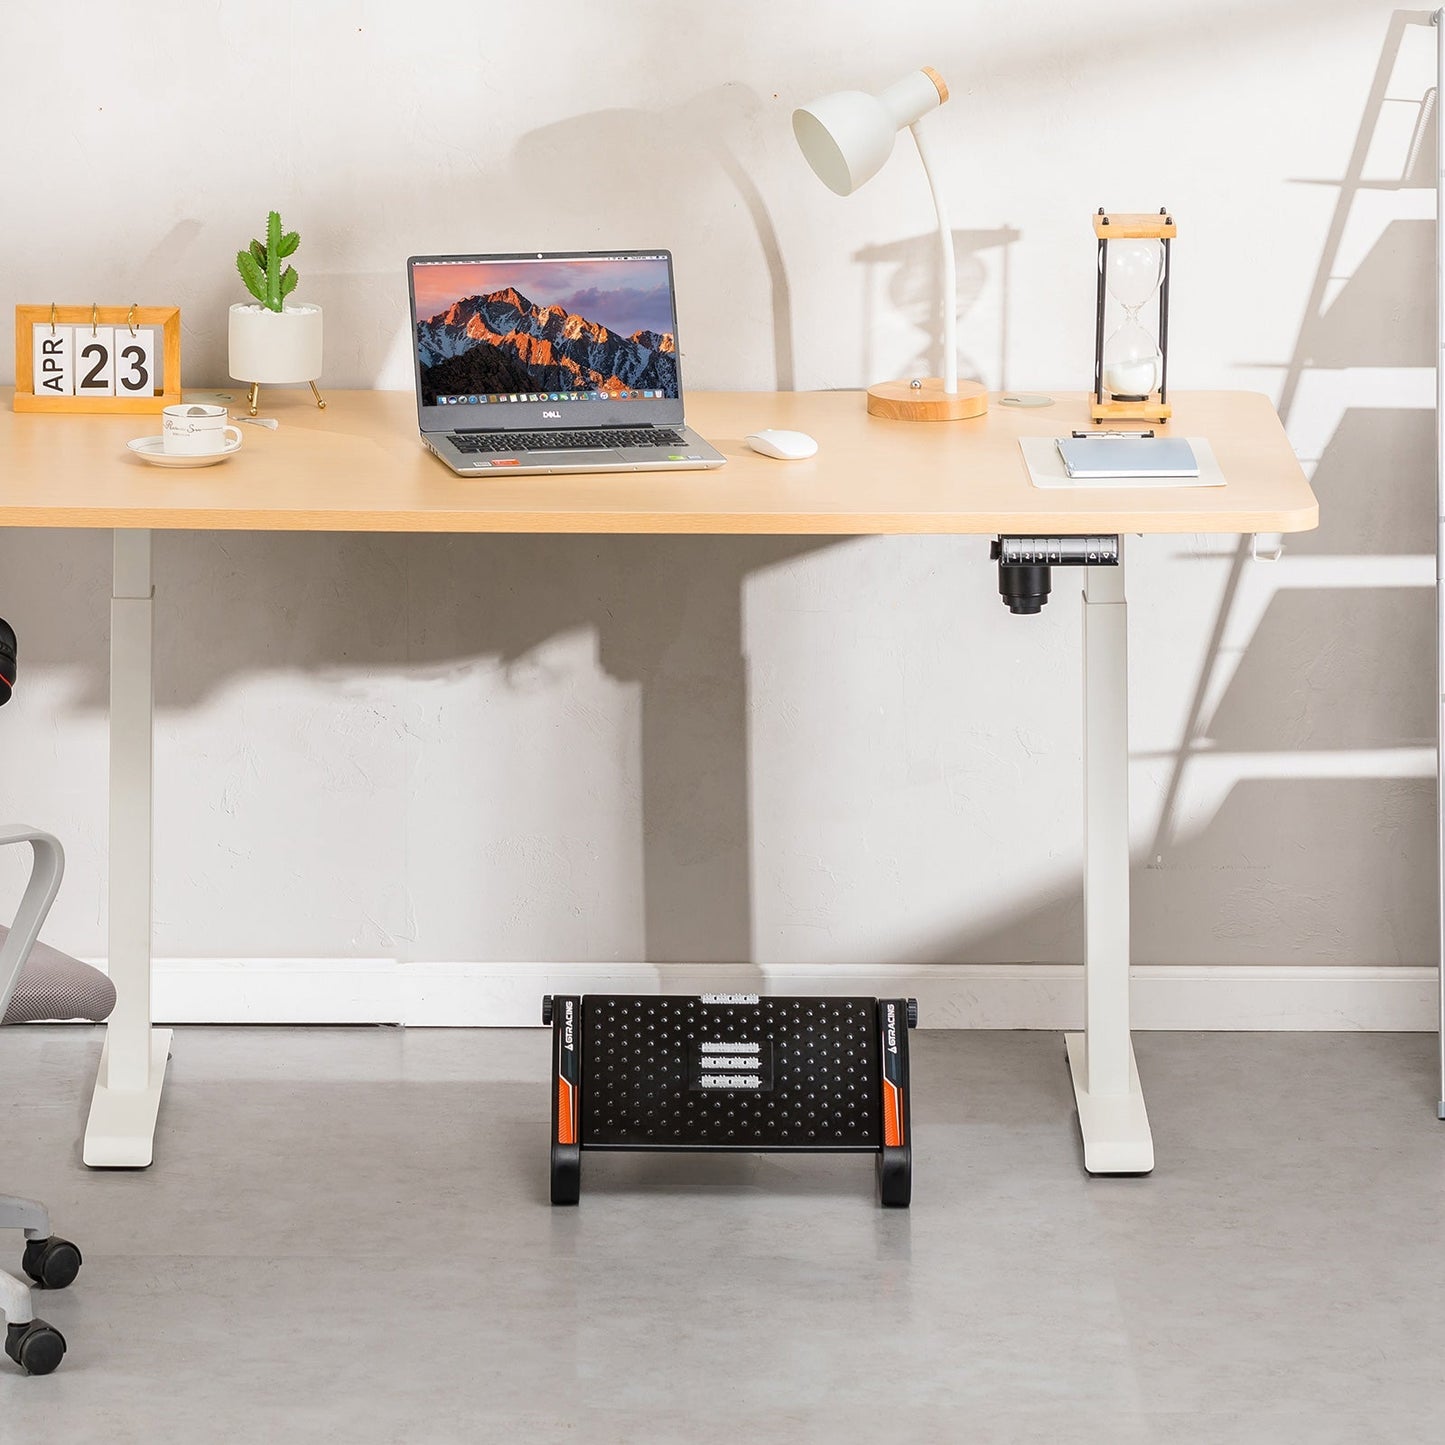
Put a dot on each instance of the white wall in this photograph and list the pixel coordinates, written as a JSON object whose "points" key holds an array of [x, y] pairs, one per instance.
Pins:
{"points": [[744, 749]]}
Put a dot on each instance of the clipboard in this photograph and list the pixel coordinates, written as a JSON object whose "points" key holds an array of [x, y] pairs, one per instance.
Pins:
{"points": [[1046, 469]]}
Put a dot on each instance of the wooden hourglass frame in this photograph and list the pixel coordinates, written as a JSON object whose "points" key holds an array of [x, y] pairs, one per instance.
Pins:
{"points": [[1125, 226]]}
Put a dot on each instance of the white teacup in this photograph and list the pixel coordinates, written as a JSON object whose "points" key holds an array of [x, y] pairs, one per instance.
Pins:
{"points": [[193, 430]]}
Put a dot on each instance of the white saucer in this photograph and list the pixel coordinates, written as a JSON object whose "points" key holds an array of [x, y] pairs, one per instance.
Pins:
{"points": [[152, 450]]}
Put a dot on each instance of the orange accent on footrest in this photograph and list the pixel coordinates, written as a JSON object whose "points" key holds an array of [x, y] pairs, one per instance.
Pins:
{"points": [[566, 1117], [892, 1114]]}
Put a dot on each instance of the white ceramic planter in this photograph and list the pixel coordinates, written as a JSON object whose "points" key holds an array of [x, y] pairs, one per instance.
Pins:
{"points": [[275, 346]]}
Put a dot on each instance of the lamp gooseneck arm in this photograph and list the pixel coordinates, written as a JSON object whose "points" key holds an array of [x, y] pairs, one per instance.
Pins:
{"points": [[950, 278]]}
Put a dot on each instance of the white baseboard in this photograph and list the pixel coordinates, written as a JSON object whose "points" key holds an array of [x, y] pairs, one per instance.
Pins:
{"points": [[967, 996]]}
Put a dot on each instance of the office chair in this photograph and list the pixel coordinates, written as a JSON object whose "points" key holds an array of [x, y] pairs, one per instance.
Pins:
{"points": [[59, 987], [51, 1262]]}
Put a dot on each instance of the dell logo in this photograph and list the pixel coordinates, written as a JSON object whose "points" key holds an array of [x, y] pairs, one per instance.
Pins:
{"points": [[556, 414]]}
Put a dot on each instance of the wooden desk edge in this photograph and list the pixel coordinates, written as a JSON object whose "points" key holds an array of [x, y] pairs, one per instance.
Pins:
{"points": [[743, 524]]}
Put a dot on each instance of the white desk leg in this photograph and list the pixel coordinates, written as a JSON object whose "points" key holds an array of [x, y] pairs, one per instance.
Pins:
{"points": [[120, 1131], [1112, 1118]]}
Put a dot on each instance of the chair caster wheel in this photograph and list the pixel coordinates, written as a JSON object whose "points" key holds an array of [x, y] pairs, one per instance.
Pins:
{"points": [[36, 1347], [52, 1263]]}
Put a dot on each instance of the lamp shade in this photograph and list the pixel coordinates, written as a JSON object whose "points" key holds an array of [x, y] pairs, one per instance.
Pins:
{"points": [[845, 137]]}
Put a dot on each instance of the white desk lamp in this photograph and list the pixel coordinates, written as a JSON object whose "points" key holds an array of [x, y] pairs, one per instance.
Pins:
{"points": [[846, 137]]}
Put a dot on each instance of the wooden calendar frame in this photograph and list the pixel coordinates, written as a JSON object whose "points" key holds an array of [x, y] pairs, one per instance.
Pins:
{"points": [[168, 318]]}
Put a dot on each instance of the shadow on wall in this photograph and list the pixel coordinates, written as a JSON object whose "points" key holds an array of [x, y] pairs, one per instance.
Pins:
{"points": [[692, 171], [907, 272], [666, 612], [685, 171], [1375, 481], [1346, 671], [1350, 332], [1332, 671], [1268, 864], [701, 172]]}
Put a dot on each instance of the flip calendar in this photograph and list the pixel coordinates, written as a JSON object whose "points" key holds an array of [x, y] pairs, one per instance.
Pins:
{"points": [[97, 358]]}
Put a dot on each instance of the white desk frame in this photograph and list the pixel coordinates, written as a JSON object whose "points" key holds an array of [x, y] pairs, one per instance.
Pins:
{"points": [[121, 1129], [1112, 1117]]}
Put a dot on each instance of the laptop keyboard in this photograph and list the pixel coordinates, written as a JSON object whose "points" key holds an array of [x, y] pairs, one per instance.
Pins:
{"points": [[551, 441]]}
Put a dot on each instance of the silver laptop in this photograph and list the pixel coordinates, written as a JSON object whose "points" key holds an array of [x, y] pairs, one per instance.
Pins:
{"points": [[551, 362]]}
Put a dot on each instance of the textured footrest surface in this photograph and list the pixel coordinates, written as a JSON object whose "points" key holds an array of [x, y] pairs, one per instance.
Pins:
{"points": [[730, 1072], [778, 1073]]}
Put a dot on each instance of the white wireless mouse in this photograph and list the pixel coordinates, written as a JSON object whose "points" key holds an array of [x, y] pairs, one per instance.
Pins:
{"points": [[790, 446]]}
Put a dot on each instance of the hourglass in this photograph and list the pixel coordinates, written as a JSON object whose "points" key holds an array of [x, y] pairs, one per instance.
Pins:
{"points": [[1131, 367]]}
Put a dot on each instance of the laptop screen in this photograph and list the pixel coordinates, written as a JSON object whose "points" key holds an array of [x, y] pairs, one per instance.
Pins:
{"points": [[545, 339]]}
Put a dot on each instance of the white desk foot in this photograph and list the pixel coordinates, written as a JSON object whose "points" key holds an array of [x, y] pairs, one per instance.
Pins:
{"points": [[120, 1133], [1115, 1127]]}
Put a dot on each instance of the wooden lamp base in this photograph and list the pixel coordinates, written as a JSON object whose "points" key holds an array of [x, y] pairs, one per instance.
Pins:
{"points": [[926, 400]]}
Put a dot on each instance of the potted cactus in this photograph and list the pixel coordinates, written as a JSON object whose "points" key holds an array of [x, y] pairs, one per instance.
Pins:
{"points": [[271, 341]]}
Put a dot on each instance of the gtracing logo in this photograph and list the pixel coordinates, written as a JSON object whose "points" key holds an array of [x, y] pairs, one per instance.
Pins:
{"points": [[567, 1024], [890, 1022]]}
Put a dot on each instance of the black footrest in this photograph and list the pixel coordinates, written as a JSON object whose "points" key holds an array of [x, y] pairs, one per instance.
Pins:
{"points": [[731, 1073]]}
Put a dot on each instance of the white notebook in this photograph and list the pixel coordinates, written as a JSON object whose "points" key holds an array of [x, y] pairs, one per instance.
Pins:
{"points": [[1095, 458]]}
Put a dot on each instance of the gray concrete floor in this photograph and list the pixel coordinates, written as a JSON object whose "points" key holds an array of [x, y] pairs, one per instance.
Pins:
{"points": [[346, 1236]]}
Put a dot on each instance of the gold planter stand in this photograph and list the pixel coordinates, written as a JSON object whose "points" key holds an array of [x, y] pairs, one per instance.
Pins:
{"points": [[253, 396]]}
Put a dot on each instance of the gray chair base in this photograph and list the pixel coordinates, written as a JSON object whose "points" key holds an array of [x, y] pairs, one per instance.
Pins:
{"points": [[37, 982], [33, 1217]]}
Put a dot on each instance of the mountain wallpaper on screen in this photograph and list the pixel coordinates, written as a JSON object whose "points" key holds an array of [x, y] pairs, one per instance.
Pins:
{"points": [[502, 342]]}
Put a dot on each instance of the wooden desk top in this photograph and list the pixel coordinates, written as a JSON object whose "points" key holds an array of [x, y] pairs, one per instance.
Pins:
{"points": [[359, 467]]}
